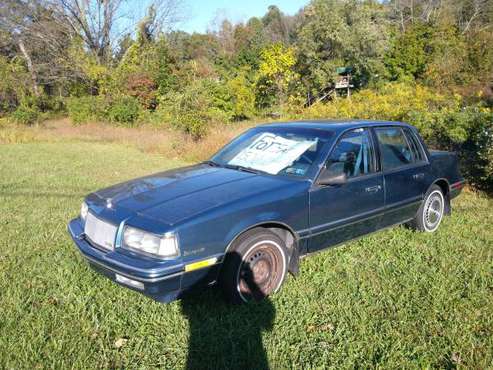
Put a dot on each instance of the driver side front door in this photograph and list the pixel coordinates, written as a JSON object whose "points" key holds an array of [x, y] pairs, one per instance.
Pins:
{"points": [[343, 212]]}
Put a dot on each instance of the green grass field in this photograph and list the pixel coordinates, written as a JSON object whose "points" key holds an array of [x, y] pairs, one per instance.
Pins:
{"points": [[396, 299]]}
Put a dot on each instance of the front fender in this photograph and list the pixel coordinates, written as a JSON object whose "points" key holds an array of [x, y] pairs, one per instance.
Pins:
{"points": [[272, 218], [214, 232]]}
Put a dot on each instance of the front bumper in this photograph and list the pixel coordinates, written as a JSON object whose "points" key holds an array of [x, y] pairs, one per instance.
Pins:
{"points": [[159, 280]]}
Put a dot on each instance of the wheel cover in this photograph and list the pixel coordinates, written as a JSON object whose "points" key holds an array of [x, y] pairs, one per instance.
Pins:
{"points": [[261, 271], [433, 211]]}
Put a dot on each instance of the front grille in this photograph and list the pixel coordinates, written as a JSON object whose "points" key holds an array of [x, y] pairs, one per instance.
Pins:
{"points": [[99, 232]]}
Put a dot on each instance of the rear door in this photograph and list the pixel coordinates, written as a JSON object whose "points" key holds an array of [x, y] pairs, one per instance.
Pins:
{"points": [[343, 212], [405, 169]]}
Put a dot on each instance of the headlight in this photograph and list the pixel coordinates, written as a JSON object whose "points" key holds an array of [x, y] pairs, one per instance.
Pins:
{"points": [[161, 246], [83, 211]]}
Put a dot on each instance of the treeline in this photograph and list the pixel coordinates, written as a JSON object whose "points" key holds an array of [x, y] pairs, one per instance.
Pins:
{"points": [[426, 61]]}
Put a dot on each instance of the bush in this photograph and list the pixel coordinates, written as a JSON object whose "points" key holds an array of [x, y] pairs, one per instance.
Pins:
{"points": [[124, 110], [26, 115], [196, 107], [476, 152], [85, 109], [393, 101], [44, 103], [142, 87]]}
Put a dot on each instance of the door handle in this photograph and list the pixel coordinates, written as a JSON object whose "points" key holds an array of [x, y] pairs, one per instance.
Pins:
{"points": [[373, 189], [418, 176]]}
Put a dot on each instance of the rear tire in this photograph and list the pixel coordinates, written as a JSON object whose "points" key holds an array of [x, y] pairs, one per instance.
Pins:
{"points": [[255, 267], [431, 211]]}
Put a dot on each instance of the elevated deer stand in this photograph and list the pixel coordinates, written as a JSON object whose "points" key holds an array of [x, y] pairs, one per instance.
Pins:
{"points": [[343, 80]]}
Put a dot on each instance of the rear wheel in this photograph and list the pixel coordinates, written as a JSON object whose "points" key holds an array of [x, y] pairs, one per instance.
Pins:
{"points": [[431, 211], [255, 267]]}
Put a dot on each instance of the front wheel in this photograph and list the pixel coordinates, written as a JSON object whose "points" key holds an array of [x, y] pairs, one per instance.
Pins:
{"points": [[255, 267], [430, 212]]}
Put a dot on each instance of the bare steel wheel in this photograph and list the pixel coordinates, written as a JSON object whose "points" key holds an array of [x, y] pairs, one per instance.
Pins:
{"points": [[261, 271], [430, 212], [255, 267]]}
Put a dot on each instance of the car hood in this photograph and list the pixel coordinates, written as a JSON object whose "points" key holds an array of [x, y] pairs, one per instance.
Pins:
{"points": [[176, 195]]}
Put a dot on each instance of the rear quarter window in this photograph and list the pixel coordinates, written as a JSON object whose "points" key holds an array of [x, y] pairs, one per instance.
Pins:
{"points": [[416, 148]]}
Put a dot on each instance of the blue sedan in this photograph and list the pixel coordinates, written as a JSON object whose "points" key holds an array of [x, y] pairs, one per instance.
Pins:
{"points": [[277, 192]]}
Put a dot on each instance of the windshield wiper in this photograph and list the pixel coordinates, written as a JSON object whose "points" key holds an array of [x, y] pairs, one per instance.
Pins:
{"points": [[244, 169], [212, 163]]}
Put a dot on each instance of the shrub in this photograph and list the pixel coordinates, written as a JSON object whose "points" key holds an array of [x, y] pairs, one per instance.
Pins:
{"points": [[124, 110], [26, 115], [243, 97], [476, 152], [196, 107], [142, 87], [85, 109], [44, 103], [393, 101]]}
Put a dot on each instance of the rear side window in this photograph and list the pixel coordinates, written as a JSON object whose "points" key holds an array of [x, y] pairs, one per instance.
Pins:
{"points": [[394, 149], [415, 146]]}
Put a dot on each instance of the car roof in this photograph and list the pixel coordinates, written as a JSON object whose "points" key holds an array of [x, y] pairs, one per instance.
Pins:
{"points": [[334, 125]]}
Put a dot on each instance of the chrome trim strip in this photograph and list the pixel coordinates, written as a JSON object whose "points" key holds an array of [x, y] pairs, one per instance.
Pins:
{"points": [[314, 231], [327, 226], [351, 240]]}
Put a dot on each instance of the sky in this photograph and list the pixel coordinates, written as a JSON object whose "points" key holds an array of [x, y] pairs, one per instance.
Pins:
{"points": [[202, 13]]}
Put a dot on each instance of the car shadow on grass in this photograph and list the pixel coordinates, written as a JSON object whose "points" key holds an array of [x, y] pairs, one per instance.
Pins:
{"points": [[226, 336]]}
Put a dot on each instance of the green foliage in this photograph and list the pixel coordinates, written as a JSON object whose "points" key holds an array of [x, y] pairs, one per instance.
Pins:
{"points": [[340, 33], [13, 84], [476, 151], [409, 52], [201, 103], [123, 110], [26, 115], [85, 109], [98, 76]]}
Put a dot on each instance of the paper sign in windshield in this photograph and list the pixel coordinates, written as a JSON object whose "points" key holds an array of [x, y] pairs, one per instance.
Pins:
{"points": [[271, 153]]}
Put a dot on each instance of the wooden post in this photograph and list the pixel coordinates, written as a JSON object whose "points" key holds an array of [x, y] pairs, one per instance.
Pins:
{"points": [[349, 86]]}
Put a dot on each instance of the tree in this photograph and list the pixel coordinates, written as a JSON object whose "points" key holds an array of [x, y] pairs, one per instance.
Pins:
{"points": [[276, 72], [336, 33], [100, 24], [410, 52], [35, 36], [275, 25]]}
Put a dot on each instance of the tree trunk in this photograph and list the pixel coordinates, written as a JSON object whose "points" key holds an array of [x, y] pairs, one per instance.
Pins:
{"points": [[30, 67]]}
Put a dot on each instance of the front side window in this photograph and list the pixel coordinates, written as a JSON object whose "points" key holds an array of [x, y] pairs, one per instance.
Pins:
{"points": [[353, 155], [395, 151]]}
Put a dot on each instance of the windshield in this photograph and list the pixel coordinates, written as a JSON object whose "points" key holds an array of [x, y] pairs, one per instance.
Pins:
{"points": [[276, 151]]}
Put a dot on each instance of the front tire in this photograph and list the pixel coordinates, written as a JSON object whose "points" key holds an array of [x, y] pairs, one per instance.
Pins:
{"points": [[431, 211], [255, 267]]}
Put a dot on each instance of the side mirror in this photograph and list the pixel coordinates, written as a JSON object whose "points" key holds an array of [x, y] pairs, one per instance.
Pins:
{"points": [[327, 178]]}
